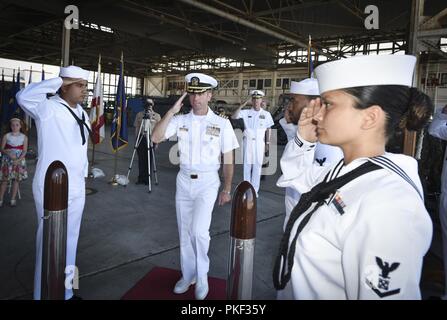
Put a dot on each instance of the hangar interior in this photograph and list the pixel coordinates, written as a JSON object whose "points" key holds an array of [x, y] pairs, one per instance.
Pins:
{"points": [[245, 45]]}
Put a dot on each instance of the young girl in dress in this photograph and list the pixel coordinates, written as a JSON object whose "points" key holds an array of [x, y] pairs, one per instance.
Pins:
{"points": [[13, 167]]}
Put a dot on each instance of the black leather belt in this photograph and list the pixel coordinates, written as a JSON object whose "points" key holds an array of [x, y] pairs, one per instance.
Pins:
{"points": [[194, 176]]}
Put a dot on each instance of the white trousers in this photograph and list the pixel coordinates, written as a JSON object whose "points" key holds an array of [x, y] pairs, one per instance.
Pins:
{"points": [[252, 174], [443, 219], [194, 202], [76, 203], [253, 158]]}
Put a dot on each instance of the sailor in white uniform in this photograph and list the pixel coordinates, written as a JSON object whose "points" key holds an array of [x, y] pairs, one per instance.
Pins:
{"points": [[438, 129], [257, 122], [202, 137], [62, 133], [286, 123], [349, 235], [303, 93]]}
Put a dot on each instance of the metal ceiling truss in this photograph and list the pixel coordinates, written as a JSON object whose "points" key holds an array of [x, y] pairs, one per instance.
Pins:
{"points": [[184, 34]]}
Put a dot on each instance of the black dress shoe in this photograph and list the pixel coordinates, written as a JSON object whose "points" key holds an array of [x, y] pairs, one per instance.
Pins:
{"points": [[75, 297]]}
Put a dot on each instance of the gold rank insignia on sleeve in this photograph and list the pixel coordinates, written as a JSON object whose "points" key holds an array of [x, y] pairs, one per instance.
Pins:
{"points": [[223, 116]]}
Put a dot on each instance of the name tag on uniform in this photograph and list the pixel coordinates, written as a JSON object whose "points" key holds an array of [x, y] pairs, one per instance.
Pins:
{"points": [[213, 131], [261, 116], [249, 116], [183, 129]]}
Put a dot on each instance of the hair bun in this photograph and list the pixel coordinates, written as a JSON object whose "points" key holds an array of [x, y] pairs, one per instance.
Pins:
{"points": [[419, 110]]}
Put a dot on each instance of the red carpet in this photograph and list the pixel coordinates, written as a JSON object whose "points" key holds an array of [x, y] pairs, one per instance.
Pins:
{"points": [[159, 283]]}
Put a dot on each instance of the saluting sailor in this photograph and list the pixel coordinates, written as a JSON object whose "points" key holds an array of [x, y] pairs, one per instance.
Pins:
{"points": [[62, 134], [257, 122], [438, 129], [202, 137], [360, 229], [303, 93]]}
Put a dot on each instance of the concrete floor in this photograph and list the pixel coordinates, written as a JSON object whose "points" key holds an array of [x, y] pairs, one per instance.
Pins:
{"points": [[127, 231]]}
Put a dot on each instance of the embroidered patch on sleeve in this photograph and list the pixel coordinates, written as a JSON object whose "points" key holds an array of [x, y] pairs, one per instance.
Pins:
{"points": [[380, 283]]}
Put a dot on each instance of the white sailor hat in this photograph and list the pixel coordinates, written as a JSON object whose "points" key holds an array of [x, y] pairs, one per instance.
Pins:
{"points": [[366, 71], [199, 82], [307, 87], [74, 72], [257, 94]]}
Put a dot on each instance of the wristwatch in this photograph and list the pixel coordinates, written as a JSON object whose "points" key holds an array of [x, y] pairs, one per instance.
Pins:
{"points": [[227, 192]]}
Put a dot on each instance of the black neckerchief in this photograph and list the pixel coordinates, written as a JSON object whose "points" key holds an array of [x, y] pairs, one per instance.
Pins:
{"points": [[319, 193], [81, 123]]}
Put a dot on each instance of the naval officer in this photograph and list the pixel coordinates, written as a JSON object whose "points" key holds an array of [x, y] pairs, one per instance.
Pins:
{"points": [[203, 137], [62, 132], [257, 123]]}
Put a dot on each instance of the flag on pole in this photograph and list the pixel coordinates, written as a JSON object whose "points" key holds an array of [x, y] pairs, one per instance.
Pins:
{"points": [[119, 124], [30, 75], [309, 58], [97, 109], [3, 96], [13, 106], [7, 100]]}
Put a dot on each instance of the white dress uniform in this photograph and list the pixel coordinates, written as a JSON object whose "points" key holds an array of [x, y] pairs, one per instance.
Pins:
{"points": [[256, 123], [325, 155], [59, 138], [201, 140], [289, 128], [367, 240], [438, 129], [336, 255]]}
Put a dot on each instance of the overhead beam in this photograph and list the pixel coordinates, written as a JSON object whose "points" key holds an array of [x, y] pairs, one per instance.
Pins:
{"points": [[308, 4], [436, 33], [354, 11], [249, 24], [434, 48]]}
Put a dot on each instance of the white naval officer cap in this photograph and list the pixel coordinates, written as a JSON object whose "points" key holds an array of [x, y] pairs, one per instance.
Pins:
{"points": [[366, 71], [199, 82], [257, 94], [74, 72], [307, 87]]}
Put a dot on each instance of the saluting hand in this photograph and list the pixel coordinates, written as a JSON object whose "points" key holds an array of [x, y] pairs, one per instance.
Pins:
{"points": [[307, 125], [178, 104]]}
